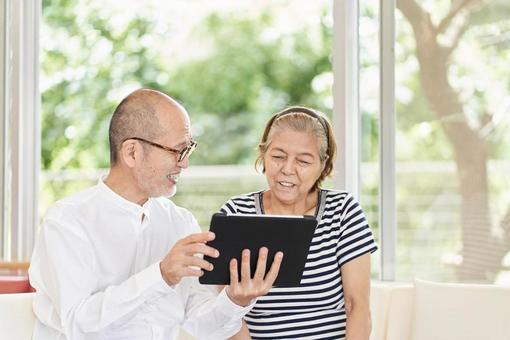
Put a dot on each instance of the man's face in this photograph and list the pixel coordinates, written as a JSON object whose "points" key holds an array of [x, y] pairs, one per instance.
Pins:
{"points": [[158, 173]]}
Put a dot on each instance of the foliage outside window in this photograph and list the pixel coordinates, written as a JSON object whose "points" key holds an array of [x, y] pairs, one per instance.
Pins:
{"points": [[453, 114], [231, 64]]}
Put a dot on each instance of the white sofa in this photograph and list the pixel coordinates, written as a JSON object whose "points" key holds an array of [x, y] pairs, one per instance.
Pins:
{"points": [[439, 311], [17, 319], [400, 311]]}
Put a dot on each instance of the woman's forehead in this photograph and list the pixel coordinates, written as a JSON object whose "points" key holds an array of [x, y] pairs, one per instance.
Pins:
{"points": [[296, 141]]}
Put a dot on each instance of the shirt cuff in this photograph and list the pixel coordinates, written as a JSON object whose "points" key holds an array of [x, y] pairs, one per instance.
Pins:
{"points": [[228, 307], [151, 277]]}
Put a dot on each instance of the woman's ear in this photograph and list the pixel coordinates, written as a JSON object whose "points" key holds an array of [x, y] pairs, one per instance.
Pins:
{"points": [[130, 152]]}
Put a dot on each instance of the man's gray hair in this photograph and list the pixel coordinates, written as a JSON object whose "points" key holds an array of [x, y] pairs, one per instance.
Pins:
{"points": [[135, 116]]}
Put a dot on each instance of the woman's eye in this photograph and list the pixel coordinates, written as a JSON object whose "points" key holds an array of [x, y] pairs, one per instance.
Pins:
{"points": [[304, 163], [277, 157]]}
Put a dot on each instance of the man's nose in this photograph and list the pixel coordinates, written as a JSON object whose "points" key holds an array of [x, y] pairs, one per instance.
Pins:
{"points": [[184, 163]]}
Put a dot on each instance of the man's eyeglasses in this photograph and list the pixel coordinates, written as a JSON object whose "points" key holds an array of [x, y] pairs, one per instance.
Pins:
{"points": [[188, 149]]}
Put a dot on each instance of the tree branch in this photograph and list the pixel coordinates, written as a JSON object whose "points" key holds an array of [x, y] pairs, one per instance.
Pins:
{"points": [[418, 18], [445, 22], [456, 38], [470, 6], [412, 11]]}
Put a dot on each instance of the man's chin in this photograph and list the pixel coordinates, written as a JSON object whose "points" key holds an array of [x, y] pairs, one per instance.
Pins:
{"points": [[167, 193], [171, 192]]}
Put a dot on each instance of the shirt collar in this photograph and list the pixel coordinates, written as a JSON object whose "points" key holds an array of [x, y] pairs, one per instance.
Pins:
{"points": [[121, 202]]}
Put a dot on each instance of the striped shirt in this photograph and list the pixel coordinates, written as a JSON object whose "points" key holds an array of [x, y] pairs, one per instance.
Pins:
{"points": [[314, 309]]}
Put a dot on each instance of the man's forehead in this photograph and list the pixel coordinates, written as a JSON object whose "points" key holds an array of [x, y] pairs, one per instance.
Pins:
{"points": [[177, 132]]}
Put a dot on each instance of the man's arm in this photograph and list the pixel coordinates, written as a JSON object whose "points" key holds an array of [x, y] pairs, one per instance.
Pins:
{"points": [[63, 271]]}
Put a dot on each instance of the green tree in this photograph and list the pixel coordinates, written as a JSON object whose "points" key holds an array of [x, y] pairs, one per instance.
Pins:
{"points": [[468, 122], [89, 64]]}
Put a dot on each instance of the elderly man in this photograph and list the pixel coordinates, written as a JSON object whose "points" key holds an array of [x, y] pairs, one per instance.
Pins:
{"points": [[117, 261]]}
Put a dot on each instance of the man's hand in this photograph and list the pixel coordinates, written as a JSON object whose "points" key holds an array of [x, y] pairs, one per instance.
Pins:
{"points": [[181, 260], [243, 292]]}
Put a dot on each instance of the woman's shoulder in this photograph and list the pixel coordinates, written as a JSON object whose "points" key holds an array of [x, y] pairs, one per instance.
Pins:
{"points": [[332, 194], [338, 199], [245, 198], [243, 203]]}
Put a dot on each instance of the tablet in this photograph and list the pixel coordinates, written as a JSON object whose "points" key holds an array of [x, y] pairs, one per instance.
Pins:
{"points": [[290, 234]]}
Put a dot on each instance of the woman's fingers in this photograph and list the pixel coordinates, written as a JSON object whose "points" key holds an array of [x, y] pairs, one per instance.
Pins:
{"points": [[261, 264], [275, 268], [245, 265]]}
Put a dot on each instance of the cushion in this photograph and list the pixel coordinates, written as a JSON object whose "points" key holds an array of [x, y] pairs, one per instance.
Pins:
{"points": [[400, 313], [380, 293], [454, 311], [14, 284], [16, 317]]}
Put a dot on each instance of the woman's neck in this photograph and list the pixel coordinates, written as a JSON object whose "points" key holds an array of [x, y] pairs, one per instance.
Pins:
{"points": [[273, 206]]}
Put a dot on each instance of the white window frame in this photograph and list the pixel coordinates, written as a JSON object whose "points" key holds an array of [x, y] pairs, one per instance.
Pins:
{"points": [[347, 117], [387, 131], [346, 114], [20, 127]]}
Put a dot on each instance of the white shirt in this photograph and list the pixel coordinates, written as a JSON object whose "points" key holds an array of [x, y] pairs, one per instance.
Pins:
{"points": [[95, 268]]}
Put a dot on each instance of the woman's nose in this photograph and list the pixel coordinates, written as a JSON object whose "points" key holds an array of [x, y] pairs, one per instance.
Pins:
{"points": [[288, 167]]}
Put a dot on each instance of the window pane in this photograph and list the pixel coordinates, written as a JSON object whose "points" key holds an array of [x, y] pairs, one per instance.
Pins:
{"points": [[453, 108], [231, 63]]}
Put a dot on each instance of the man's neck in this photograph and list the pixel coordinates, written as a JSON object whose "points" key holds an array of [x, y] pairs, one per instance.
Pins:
{"points": [[123, 185]]}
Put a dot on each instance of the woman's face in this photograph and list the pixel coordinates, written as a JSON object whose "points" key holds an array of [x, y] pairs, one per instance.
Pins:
{"points": [[292, 165]]}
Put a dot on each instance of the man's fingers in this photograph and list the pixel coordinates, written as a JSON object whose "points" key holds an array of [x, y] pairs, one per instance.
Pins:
{"points": [[198, 237], [245, 265], [201, 248], [192, 272], [198, 262], [275, 267], [261, 264]]}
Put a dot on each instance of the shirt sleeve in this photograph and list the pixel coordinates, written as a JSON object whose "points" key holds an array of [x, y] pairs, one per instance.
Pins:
{"points": [[229, 207], [209, 314], [356, 238], [63, 273]]}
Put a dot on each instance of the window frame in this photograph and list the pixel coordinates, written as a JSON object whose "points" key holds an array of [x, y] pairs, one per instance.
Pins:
{"points": [[347, 117], [387, 140], [20, 127]]}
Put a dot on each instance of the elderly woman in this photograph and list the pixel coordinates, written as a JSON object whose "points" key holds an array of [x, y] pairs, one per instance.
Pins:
{"points": [[296, 153]]}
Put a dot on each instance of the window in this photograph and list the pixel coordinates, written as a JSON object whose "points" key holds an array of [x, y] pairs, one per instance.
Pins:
{"points": [[449, 95], [19, 128], [421, 107]]}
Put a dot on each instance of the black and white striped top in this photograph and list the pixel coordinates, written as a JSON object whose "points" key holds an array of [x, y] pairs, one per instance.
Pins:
{"points": [[314, 309]]}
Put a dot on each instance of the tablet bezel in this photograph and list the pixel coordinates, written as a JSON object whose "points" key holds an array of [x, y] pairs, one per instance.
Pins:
{"points": [[234, 232]]}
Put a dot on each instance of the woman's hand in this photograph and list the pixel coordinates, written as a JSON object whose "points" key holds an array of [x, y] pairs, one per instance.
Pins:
{"points": [[244, 291]]}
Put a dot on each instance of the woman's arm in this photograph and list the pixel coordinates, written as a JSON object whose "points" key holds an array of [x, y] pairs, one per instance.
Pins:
{"points": [[243, 334], [356, 286]]}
